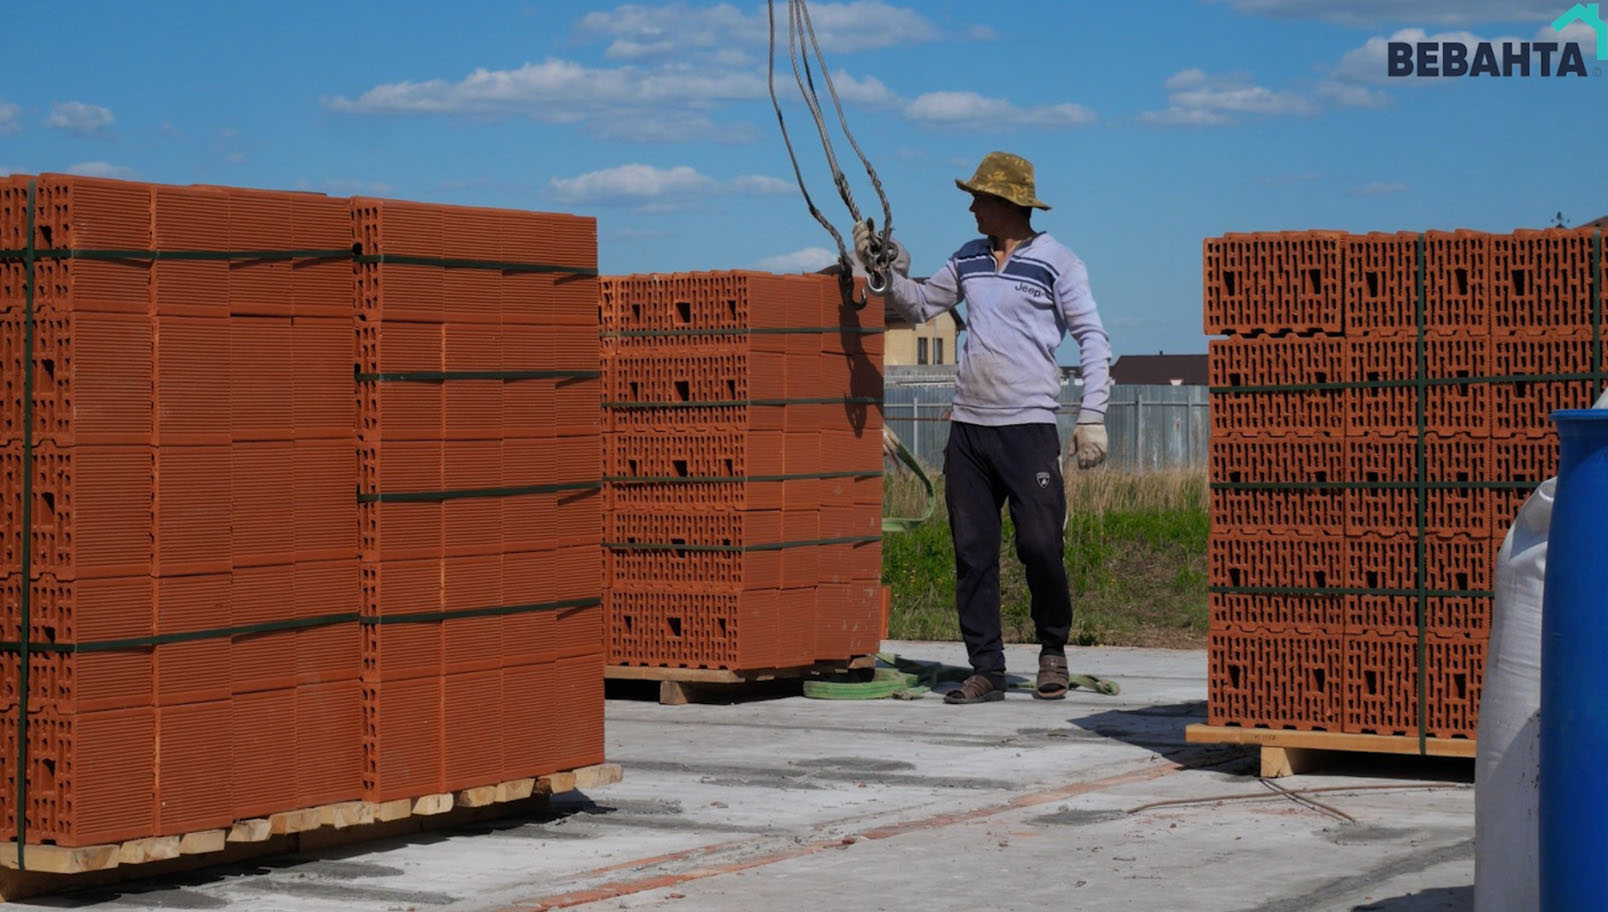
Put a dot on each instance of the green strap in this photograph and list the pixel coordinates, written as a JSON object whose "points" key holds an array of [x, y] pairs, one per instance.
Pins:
{"points": [[291, 624], [475, 493], [742, 549], [734, 479], [909, 523], [402, 259], [1373, 485], [343, 253]]}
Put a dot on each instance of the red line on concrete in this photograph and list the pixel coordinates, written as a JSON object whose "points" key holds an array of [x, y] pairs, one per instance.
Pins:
{"points": [[617, 889]]}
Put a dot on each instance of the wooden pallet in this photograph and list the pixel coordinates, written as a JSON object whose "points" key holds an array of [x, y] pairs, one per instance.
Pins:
{"points": [[1287, 753], [679, 686], [49, 868]]}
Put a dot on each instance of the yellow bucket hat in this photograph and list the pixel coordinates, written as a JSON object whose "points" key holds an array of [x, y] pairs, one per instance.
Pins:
{"points": [[1005, 175]]}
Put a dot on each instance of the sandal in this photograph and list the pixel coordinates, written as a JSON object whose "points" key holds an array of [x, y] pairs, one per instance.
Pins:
{"points": [[979, 688], [1053, 680]]}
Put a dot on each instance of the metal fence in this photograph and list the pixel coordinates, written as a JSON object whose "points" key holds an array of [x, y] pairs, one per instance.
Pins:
{"points": [[1151, 427]]}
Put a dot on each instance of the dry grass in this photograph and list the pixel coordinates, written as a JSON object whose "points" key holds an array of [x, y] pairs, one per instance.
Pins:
{"points": [[1104, 490]]}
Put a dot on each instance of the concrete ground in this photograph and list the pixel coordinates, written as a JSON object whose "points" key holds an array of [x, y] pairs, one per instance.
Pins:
{"points": [[797, 804]]}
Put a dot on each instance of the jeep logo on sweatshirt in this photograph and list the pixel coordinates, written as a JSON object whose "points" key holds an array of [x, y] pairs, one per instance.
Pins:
{"points": [[1032, 291]]}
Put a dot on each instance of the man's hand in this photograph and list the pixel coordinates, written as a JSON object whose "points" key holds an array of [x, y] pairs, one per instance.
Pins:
{"points": [[1089, 445], [864, 238]]}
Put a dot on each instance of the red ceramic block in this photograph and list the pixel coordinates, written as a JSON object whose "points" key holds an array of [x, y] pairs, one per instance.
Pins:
{"points": [[472, 296], [402, 410], [92, 610], [190, 792], [108, 795], [1381, 683], [526, 580], [91, 213], [1261, 459], [1247, 561], [577, 518], [262, 778], [193, 510], [1291, 678], [93, 379], [1278, 512], [1278, 361], [1458, 281], [325, 517], [263, 660], [1539, 281], [1524, 409], [92, 511], [577, 406], [579, 696], [414, 293], [527, 298], [473, 525], [1262, 612], [402, 530], [190, 219], [196, 670], [1381, 282], [263, 521], [1463, 617], [531, 738], [473, 739], [329, 761], [404, 723], [192, 381], [322, 355], [260, 220], [332, 651], [578, 631], [321, 287], [261, 378], [471, 584], [474, 407]]}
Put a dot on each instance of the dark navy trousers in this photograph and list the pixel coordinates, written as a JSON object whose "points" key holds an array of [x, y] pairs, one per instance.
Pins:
{"points": [[985, 468]]}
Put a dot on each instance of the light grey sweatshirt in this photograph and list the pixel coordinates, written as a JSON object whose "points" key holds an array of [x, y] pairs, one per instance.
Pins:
{"points": [[1016, 316]]}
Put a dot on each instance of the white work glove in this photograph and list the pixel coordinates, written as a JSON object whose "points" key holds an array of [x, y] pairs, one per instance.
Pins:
{"points": [[863, 238], [1089, 445]]}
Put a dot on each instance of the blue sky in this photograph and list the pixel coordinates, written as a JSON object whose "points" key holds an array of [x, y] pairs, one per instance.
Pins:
{"points": [[1150, 130]]}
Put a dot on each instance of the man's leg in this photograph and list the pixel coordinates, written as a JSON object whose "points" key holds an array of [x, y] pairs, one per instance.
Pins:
{"points": [[1038, 510], [974, 494]]}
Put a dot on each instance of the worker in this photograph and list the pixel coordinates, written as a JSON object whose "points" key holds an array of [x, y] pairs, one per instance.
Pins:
{"points": [[1025, 292]]}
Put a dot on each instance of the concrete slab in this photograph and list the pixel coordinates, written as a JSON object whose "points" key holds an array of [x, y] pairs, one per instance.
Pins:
{"points": [[796, 804]]}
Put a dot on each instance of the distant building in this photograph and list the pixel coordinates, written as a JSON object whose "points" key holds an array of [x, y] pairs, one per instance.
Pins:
{"points": [[1160, 369], [932, 342]]}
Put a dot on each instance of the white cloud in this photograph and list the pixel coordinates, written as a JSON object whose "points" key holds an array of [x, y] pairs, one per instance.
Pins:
{"points": [[10, 118], [971, 111], [1433, 12], [78, 117], [1577, 33], [810, 259], [1379, 188], [675, 30], [868, 91], [1369, 63], [1196, 98], [981, 33], [654, 189], [1351, 95], [639, 234], [100, 169]]}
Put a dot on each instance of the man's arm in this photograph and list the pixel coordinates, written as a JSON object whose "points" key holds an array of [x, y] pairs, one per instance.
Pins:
{"points": [[921, 301], [1094, 346]]}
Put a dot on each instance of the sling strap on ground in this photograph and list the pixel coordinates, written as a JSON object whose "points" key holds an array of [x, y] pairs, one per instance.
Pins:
{"points": [[909, 679]]}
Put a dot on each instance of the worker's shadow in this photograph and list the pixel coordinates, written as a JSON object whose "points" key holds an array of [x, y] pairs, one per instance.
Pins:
{"points": [[860, 342], [1155, 728], [1437, 899]]}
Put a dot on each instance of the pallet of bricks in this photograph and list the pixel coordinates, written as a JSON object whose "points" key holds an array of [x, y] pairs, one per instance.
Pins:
{"points": [[207, 639], [744, 463], [1380, 411]]}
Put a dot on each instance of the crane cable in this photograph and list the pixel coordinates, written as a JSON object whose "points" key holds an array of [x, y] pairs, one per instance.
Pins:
{"points": [[801, 31]]}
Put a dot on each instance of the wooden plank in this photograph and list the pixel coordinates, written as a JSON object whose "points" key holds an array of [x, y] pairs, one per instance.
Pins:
{"points": [[152, 848], [556, 783], [430, 805], [387, 811], [346, 814], [598, 776], [1278, 762], [1334, 741], [202, 842], [476, 797], [256, 829], [49, 859], [515, 790], [293, 821]]}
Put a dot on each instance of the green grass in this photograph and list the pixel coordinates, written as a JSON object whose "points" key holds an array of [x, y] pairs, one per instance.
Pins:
{"points": [[1135, 560]]}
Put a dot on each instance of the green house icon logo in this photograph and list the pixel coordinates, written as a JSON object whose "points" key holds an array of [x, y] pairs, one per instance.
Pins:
{"points": [[1587, 13]]}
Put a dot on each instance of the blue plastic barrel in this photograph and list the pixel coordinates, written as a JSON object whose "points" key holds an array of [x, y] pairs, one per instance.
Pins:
{"points": [[1574, 673]]}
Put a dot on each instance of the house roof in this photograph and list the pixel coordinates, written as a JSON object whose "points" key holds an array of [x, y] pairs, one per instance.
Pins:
{"points": [[1190, 370]]}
